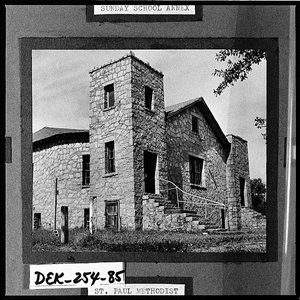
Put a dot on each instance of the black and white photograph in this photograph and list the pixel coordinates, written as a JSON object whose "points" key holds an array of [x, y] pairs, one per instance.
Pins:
{"points": [[149, 150]]}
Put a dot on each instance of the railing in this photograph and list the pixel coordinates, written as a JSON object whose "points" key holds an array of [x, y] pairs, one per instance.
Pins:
{"points": [[206, 208]]}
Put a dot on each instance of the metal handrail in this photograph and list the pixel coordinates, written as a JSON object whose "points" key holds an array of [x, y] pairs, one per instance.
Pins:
{"points": [[192, 195]]}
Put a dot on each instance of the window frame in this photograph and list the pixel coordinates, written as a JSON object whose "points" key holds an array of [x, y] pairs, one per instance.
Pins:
{"points": [[86, 170], [148, 93], [112, 215], [110, 159], [195, 127], [108, 91], [193, 166]]}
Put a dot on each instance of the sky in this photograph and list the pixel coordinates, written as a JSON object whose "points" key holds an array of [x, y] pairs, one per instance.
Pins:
{"points": [[60, 91]]}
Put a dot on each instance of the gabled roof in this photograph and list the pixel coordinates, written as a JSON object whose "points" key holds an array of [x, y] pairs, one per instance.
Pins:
{"points": [[47, 132], [175, 109]]}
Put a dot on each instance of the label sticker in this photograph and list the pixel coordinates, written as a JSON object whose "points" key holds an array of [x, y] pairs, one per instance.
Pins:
{"points": [[139, 289], [144, 9], [76, 275]]}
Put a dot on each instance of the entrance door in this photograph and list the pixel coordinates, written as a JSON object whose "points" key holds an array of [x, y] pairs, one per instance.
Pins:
{"points": [[150, 160], [242, 190], [223, 217], [86, 217]]}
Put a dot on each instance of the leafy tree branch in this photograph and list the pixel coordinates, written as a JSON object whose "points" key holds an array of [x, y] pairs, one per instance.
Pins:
{"points": [[238, 70]]}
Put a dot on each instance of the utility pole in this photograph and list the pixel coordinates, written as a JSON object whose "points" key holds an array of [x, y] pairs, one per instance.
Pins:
{"points": [[55, 203]]}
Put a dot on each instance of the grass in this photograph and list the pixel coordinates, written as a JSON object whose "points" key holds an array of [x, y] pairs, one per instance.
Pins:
{"points": [[150, 241]]}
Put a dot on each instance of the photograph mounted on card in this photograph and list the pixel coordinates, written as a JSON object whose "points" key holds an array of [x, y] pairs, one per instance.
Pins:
{"points": [[143, 13], [125, 159]]}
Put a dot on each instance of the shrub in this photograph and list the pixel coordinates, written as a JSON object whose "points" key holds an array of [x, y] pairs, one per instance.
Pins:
{"points": [[45, 240]]}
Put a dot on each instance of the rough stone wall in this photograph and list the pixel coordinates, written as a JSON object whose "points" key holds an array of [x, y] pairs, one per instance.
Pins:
{"points": [[252, 220], [63, 162], [237, 166], [112, 124], [148, 129], [182, 142]]}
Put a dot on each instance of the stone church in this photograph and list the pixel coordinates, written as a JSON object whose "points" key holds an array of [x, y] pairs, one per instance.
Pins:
{"points": [[141, 165]]}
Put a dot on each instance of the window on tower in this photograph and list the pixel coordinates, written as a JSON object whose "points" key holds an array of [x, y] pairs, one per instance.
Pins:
{"points": [[86, 169], [148, 97], [110, 157], [109, 97]]}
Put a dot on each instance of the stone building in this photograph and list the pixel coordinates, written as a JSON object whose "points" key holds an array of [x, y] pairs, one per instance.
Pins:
{"points": [[140, 165]]}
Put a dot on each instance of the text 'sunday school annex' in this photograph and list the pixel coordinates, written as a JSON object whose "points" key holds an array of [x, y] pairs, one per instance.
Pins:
{"points": [[145, 9]]}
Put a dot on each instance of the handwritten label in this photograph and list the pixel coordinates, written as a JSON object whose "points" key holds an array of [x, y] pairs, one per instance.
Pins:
{"points": [[139, 289], [76, 275], [144, 9]]}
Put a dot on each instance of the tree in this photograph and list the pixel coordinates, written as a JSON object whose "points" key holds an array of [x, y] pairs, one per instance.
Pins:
{"points": [[258, 195], [239, 70], [261, 123]]}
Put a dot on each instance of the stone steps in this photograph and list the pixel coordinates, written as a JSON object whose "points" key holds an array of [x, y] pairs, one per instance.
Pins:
{"points": [[162, 214]]}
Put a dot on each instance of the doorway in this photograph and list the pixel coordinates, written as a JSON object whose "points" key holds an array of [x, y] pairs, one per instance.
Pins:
{"points": [[64, 224], [150, 162], [86, 218], [37, 221], [223, 218]]}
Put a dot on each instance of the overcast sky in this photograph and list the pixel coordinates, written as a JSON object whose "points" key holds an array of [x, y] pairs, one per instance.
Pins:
{"points": [[61, 91]]}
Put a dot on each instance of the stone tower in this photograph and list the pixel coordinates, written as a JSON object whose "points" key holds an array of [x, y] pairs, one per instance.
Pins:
{"points": [[127, 146], [237, 180]]}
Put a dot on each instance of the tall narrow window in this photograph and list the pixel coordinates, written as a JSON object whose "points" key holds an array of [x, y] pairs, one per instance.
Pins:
{"points": [[110, 157], [150, 165], [111, 215], [195, 124], [148, 97], [86, 169], [242, 190], [196, 166], [109, 97]]}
